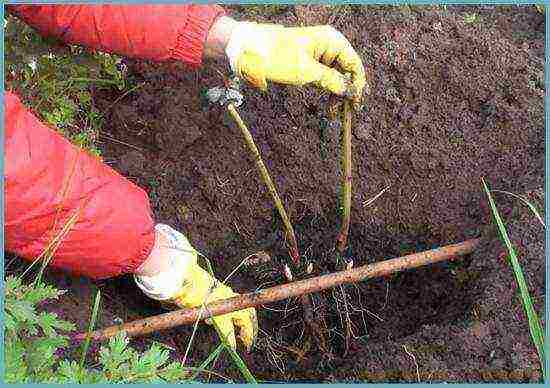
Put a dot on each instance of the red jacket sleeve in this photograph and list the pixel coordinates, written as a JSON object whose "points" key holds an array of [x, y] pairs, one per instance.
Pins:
{"points": [[157, 32], [49, 183]]}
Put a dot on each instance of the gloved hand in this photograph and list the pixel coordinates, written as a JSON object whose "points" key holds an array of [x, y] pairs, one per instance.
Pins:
{"points": [[179, 280], [296, 56]]}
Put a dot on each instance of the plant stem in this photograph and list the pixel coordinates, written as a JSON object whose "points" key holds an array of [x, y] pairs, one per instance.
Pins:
{"points": [[346, 183], [291, 239], [285, 291], [305, 300], [91, 326], [96, 80]]}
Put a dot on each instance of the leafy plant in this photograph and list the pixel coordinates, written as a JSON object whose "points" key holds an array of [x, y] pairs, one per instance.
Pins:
{"points": [[35, 341], [55, 81], [535, 327], [31, 338]]}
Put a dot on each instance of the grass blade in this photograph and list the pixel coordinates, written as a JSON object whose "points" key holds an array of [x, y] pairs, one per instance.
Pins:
{"points": [[93, 320], [526, 202], [238, 361], [534, 323], [47, 254], [240, 364], [211, 357]]}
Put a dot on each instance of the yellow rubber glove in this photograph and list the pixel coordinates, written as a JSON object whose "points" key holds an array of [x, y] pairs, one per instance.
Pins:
{"points": [[172, 275], [296, 56], [203, 288]]}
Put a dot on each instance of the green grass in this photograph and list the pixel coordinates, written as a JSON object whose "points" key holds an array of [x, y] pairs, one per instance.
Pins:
{"points": [[525, 201], [240, 364], [209, 360], [535, 328], [93, 321]]}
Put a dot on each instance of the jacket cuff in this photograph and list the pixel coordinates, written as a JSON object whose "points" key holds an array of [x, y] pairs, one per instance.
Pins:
{"points": [[146, 246], [192, 36]]}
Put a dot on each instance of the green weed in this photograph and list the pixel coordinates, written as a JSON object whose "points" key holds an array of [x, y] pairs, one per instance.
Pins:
{"points": [[35, 341], [471, 18], [56, 80], [535, 328], [36, 347]]}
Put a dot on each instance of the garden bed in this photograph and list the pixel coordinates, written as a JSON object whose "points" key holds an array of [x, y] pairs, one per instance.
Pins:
{"points": [[456, 95]]}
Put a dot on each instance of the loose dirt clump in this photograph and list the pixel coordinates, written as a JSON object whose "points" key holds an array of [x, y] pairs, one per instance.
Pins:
{"points": [[450, 101]]}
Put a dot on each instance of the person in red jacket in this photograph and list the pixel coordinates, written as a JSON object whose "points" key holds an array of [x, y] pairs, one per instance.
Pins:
{"points": [[100, 224]]}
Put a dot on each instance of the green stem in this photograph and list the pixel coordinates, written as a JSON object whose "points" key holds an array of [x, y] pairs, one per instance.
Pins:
{"points": [[96, 80], [347, 177], [91, 327], [268, 182]]}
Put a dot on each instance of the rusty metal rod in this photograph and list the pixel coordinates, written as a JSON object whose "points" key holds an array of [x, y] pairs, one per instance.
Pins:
{"points": [[285, 291]]}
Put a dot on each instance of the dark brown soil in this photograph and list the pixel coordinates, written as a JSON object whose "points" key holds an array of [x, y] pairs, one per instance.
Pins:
{"points": [[450, 102]]}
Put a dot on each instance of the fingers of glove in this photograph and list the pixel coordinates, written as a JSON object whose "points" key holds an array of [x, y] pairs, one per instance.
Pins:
{"points": [[339, 49], [220, 291], [247, 322], [196, 289], [251, 67], [327, 78], [226, 330], [349, 61], [328, 56]]}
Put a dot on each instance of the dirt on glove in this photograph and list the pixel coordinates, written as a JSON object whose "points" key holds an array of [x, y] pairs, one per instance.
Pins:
{"points": [[453, 98]]}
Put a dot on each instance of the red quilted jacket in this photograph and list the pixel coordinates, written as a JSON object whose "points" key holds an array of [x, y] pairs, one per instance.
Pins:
{"points": [[51, 184]]}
